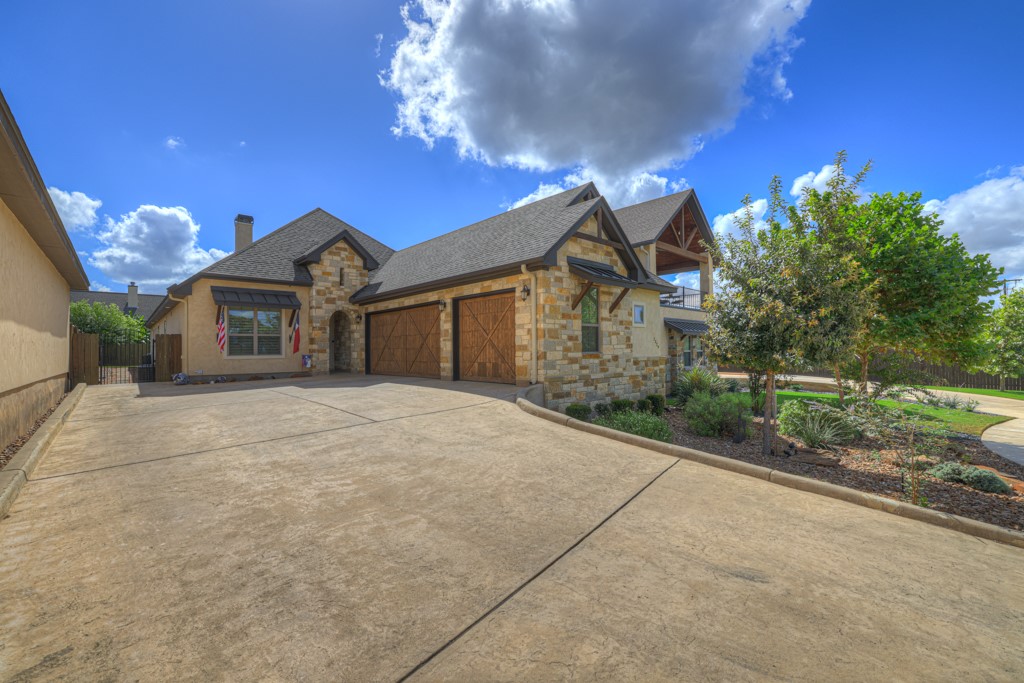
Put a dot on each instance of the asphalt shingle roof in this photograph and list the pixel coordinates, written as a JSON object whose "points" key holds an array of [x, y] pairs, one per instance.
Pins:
{"points": [[147, 302], [272, 257], [644, 222], [510, 238]]}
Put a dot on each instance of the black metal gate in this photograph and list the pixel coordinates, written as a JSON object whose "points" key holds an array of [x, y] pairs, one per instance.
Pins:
{"points": [[125, 362]]}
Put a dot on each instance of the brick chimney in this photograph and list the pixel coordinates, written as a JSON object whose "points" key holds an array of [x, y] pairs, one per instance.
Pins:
{"points": [[243, 231], [133, 295]]}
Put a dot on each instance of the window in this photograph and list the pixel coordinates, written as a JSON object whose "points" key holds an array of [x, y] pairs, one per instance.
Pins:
{"points": [[687, 353], [698, 350], [639, 314], [590, 317], [254, 332], [341, 276]]}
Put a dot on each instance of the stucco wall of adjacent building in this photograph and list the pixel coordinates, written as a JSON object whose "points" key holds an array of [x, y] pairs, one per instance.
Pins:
{"points": [[34, 301], [200, 355]]}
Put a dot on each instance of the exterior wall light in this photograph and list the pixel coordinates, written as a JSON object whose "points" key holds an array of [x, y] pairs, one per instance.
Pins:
{"points": [[359, 317], [441, 305], [525, 293]]}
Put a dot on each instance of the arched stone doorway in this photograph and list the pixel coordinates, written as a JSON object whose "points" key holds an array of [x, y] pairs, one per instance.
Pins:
{"points": [[341, 343]]}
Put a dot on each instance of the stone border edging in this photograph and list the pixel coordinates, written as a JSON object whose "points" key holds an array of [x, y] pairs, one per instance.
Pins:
{"points": [[973, 527], [19, 469]]}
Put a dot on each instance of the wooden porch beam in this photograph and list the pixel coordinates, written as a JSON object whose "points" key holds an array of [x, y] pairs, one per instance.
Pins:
{"points": [[579, 297], [618, 299], [682, 252]]}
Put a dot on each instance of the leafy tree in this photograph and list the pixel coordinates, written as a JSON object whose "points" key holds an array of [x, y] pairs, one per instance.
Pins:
{"points": [[788, 298], [108, 321], [1005, 337]]}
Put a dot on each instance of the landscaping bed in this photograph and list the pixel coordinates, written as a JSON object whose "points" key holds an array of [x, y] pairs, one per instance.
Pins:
{"points": [[12, 448], [866, 466]]}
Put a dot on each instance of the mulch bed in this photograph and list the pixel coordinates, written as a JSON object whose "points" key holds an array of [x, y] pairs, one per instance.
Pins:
{"points": [[12, 449], [866, 466]]}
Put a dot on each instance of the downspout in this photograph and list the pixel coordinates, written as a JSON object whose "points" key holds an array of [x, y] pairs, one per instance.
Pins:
{"points": [[187, 335], [533, 324]]}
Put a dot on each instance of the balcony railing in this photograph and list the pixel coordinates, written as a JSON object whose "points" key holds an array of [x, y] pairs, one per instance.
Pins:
{"points": [[684, 297]]}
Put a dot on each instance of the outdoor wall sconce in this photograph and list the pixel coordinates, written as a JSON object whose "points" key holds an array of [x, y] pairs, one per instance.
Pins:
{"points": [[359, 317], [525, 293], [441, 305]]}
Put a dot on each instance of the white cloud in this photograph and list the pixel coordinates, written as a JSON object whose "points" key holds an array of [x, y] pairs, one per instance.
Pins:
{"points": [[989, 217], [98, 287], [621, 89], [724, 223], [817, 181], [77, 210], [242, 143], [620, 191], [378, 38], [153, 245], [173, 142]]}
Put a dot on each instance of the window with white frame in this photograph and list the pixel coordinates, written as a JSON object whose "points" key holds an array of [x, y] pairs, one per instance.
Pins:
{"points": [[254, 332], [639, 315], [590, 321], [687, 352]]}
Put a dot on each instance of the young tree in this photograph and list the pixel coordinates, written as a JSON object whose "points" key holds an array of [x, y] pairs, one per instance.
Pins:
{"points": [[787, 298], [1005, 337], [926, 288], [108, 321]]}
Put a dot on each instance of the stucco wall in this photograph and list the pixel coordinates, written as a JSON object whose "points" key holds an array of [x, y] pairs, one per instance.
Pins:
{"points": [[201, 357], [34, 301]]}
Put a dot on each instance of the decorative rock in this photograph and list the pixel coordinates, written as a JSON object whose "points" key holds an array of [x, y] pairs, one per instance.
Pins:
{"points": [[814, 456]]}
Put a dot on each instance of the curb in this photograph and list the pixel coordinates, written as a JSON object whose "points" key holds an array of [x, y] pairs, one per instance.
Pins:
{"points": [[983, 530], [20, 468]]}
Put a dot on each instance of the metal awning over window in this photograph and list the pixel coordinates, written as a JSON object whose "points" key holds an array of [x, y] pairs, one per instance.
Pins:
{"points": [[686, 326], [254, 298], [600, 274]]}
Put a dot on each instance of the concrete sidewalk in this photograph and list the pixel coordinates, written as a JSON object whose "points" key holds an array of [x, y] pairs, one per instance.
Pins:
{"points": [[370, 529]]}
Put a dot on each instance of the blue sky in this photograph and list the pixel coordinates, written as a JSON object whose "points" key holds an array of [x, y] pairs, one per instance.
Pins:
{"points": [[177, 116]]}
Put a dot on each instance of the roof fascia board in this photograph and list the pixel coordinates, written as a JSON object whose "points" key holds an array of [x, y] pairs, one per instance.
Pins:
{"points": [[434, 285], [314, 255], [185, 288]]}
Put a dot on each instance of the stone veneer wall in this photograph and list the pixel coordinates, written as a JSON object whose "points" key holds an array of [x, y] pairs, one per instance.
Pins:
{"points": [[522, 319], [571, 376], [328, 296]]}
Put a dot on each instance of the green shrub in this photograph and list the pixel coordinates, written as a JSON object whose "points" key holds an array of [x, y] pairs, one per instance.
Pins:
{"points": [[732, 386], [621, 405], [796, 387], [708, 415], [602, 409], [657, 404], [697, 380], [645, 406], [817, 425], [641, 424], [579, 411], [976, 478]]}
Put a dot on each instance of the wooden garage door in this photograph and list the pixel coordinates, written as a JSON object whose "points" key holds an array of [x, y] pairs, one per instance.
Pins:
{"points": [[487, 338], [406, 342]]}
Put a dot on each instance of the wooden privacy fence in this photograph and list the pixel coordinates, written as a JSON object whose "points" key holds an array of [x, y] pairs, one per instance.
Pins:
{"points": [[84, 365], [941, 375], [168, 356], [94, 362]]}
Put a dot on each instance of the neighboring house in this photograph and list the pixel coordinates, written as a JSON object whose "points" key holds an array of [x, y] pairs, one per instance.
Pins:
{"points": [[38, 267], [561, 291], [141, 305]]}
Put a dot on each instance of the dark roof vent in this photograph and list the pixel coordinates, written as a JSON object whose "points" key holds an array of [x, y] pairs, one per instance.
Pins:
{"points": [[242, 218]]}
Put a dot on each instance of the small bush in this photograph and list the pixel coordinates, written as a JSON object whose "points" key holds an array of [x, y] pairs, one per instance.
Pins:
{"points": [[657, 404], [602, 409], [698, 380], [817, 425], [641, 424], [620, 405], [950, 402], [708, 415], [976, 478], [796, 387], [732, 386], [579, 411], [645, 406]]}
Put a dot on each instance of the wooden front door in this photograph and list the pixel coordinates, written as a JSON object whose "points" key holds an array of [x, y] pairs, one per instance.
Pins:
{"points": [[406, 342], [487, 338]]}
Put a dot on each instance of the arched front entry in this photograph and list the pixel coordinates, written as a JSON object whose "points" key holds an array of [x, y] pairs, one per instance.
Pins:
{"points": [[341, 343]]}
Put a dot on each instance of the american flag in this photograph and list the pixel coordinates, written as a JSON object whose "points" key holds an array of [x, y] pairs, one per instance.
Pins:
{"points": [[295, 334], [222, 336]]}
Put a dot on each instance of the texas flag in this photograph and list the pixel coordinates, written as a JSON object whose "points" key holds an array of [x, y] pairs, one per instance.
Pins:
{"points": [[295, 334]]}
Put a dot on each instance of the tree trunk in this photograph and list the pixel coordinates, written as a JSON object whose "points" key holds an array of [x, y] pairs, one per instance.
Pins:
{"points": [[768, 429], [864, 360], [1002, 382], [839, 384]]}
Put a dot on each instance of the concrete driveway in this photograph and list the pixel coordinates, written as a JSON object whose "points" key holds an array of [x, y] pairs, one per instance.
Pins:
{"points": [[354, 529]]}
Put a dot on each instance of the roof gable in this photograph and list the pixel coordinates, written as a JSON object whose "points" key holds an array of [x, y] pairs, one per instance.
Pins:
{"points": [[645, 222]]}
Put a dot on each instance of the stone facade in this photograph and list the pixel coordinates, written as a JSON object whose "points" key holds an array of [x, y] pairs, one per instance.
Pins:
{"points": [[339, 274]]}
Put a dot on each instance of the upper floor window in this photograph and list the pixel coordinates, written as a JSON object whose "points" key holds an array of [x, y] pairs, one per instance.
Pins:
{"points": [[341, 276], [639, 315], [590, 319]]}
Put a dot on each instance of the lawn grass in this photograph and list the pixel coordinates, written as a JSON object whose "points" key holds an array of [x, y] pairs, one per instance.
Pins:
{"points": [[954, 420], [1018, 395]]}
